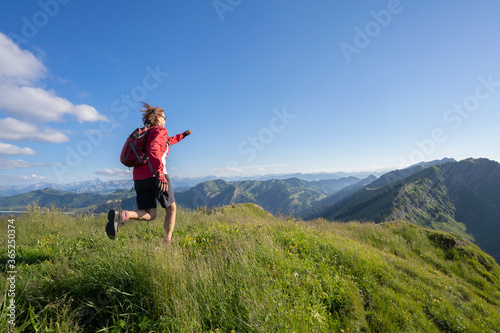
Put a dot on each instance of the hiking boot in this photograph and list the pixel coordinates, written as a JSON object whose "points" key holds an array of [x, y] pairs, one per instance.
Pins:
{"points": [[114, 221]]}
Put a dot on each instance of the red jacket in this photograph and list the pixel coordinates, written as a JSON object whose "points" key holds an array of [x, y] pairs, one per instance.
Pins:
{"points": [[157, 146]]}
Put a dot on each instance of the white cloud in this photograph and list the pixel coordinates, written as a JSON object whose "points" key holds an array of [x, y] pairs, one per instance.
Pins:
{"points": [[13, 129], [31, 177], [20, 97], [42, 105], [18, 66], [8, 164], [8, 149], [115, 172]]}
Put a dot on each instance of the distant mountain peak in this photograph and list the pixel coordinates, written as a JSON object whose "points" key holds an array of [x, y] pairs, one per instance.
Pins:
{"points": [[434, 162]]}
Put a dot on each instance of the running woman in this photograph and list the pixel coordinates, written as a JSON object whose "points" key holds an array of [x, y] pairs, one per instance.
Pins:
{"points": [[151, 186]]}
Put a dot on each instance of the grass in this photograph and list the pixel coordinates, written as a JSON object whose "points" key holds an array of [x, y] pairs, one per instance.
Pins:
{"points": [[238, 269]]}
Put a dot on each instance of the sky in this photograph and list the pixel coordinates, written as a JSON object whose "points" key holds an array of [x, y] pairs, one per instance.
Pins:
{"points": [[266, 86]]}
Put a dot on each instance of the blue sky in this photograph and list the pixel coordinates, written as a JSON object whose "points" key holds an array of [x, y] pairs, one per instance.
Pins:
{"points": [[266, 86]]}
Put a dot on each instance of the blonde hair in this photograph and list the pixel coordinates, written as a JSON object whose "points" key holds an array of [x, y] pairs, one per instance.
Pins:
{"points": [[150, 114]]}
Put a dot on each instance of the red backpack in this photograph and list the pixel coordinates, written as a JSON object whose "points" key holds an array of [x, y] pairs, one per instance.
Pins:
{"points": [[133, 151]]}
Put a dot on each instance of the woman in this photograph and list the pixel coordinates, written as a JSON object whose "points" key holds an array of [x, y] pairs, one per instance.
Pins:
{"points": [[149, 186]]}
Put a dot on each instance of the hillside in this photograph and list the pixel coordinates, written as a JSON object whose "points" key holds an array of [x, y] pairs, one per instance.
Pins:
{"points": [[331, 186], [238, 269], [461, 197], [278, 196], [46, 198], [95, 186], [327, 206], [70, 201], [395, 175], [324, 206]]}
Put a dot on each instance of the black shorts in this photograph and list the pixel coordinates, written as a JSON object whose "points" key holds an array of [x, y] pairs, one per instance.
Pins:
{"points": [[148, 192]]}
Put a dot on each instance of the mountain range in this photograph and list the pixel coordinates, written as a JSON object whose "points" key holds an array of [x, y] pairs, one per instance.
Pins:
{"points": [[69, 201], [460, 197], [291, 196], [325, 206], [179, 183], [288, 196], [89, 186]]}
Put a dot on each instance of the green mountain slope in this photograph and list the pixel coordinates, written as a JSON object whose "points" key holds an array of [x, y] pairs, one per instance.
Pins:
{"points": [[326, 206], [70, 201], [330, 186], [47, 198], [240, 269], [395, 175], [283, 196], [461, 197]]}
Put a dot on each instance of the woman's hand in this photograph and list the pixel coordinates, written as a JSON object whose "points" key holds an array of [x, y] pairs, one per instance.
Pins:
{"points": [[163, 184]]}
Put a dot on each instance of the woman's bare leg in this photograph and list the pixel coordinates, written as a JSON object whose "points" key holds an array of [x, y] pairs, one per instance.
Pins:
{"points": [[146, 215], [168, 225]]}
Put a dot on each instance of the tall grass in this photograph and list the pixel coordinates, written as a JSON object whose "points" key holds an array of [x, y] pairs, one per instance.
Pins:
{"points": [[238, 269]]}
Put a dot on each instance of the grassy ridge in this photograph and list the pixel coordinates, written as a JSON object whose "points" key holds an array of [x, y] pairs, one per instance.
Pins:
{"points": [[240, 269]]}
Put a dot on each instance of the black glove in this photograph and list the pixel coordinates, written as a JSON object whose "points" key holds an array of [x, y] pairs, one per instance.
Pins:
{"points": [[162, 183], [186, 133]]}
